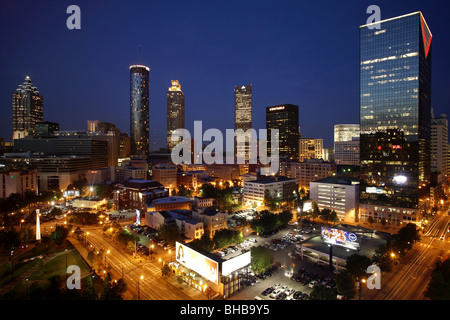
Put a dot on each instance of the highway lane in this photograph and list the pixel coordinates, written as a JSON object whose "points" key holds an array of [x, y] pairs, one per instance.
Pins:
{"points": [[152, 286], [413, 282], [410, 278]]}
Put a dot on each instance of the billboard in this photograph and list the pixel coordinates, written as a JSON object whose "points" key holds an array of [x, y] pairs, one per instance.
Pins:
{"points": [[340, 237], [236, 263], [201, 264]]}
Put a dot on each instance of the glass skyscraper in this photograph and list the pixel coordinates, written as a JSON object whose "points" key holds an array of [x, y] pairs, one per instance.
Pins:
{"points": [[139, 110], [243, 97], [27, 109], [285, 119], [395, 111], [175, 112]]}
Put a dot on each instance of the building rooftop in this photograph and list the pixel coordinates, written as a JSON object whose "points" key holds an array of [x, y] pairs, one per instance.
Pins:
{"points": [[267, 180], [339, 180], [172, 199]]}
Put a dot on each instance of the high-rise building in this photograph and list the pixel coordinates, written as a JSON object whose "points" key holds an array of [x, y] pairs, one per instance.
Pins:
{"points": [[243, 118], [139, 110], [439, 146], [284, 118], [310, 149], [395, 114], [346, 132], [175, 113], [27, 109], [347, 152]]}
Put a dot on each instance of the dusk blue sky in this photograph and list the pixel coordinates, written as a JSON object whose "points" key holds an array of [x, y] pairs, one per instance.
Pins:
{"points": [[300, 52]]}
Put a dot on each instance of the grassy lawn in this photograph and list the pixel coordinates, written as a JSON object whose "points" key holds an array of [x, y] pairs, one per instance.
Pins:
{"points": [[42, 249], [44, 271], [19, 269], [57, 266]]}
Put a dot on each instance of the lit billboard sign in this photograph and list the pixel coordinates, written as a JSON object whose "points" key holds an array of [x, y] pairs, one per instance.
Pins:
{"points": [[340, 237], [307, 206], [197, 262], [71, 193], [236, 263]]}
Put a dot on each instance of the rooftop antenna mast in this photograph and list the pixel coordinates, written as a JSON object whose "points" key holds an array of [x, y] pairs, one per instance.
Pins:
{"points": [[139, 54]]}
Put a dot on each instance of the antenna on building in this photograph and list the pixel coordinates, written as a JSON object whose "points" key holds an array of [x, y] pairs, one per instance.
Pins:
{"points": [[139, 54]]}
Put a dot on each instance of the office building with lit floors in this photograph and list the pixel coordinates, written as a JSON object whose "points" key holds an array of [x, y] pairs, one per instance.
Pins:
{"points": [[243, 121], [139, 110], [27, 109], [337, 194], [175, 114], [395, 118], [284, 118]]}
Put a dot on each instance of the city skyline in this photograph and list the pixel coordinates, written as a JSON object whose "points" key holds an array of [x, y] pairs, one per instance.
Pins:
{"points": [[288, 76]]}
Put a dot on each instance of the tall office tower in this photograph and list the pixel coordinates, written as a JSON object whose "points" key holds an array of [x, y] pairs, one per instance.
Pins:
{"points": [[285, 119], [243, 119], [395, 117], [346, 132], [439, 146], [175, 113], [310, 149], [27, 109], [139, 110]]}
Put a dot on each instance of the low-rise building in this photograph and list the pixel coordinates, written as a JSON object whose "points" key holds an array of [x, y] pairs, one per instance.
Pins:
{"points": [[191, 179], [170, 203], [337, 194], [17, 181], [308, 170], [138, 194], [213, 220], [190, 227], [281, 187], [200, 202], [166, 174]]}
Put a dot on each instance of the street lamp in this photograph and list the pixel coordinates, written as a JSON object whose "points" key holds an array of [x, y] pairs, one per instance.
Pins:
{"points": [[107, 252], [363, 281], [26, 280], [151, 252]]}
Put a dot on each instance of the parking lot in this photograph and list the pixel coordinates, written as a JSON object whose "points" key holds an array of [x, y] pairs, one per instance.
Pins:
{"points": [[295, 278]]}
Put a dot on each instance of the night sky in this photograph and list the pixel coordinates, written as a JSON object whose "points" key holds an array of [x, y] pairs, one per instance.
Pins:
{"points": [[300, 52]]}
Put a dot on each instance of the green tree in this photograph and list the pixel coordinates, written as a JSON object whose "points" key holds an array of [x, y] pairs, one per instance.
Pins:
{"points": [[170, 233], [165, 270], [346, 284], [370, 220], [26, 234], [261, 259], [204, 243], [89, 290], [320, 292], [439, 285], [325, 215], [9, 239], [334, 217], [91, 257], [357, 265], [60, 234]]}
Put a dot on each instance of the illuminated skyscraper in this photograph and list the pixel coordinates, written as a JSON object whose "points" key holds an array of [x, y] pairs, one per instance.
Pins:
{"points": [[139, 110], [285, 119], [395, 115], [175, 112], [27, 109], [346, 132], [243, 118]]}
